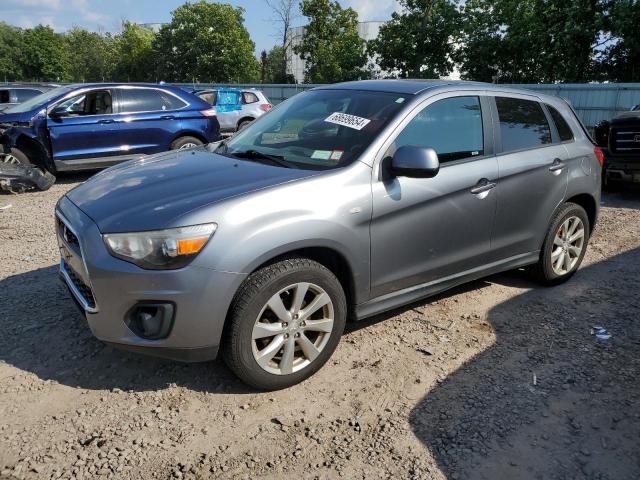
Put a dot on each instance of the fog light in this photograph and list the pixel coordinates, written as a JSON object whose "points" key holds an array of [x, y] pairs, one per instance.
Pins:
{"points": [[151, 320]]}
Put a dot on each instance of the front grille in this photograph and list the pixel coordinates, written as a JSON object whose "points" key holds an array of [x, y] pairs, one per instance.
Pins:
{"points": [[625, 140], [81, 287]]}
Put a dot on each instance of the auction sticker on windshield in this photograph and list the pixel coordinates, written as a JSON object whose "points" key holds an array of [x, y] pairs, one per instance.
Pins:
{"points": [[346, 120]]}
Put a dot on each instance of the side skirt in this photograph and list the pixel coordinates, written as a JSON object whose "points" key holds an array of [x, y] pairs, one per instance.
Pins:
{"points": [[417, 292], [92, 163]]}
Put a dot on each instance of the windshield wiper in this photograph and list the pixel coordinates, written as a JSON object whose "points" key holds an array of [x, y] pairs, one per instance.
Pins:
{"points": [[256, 155]]}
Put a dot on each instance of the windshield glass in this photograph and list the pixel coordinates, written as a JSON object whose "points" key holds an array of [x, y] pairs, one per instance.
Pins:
{"points": [[37, 100], [319, 129]]}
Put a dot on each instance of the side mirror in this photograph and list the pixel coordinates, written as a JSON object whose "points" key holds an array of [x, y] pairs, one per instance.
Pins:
{"points": [[417, 162], [58, 112]]}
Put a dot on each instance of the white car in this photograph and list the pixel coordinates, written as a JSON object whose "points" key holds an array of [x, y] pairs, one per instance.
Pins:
{"points": [[236, 108]]}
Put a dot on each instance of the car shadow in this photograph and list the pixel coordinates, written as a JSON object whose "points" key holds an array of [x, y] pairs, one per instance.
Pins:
{"points": [[547, 400], [44, 333]]}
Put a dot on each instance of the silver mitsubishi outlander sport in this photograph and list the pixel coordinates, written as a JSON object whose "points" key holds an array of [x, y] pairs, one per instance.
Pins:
{"points": [[340, 203]]}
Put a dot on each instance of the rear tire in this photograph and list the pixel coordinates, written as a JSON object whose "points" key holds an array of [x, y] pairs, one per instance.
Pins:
{"points": [[243, 124], [184, 143], [564, 245], [271, 348]]}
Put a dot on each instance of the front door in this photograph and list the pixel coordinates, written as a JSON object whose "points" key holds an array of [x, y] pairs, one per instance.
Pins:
{"points": [[83, 128], [423, 230]]}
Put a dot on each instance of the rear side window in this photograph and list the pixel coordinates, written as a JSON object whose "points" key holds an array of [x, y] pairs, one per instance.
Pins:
{"points": [[564, 130], [209, 97], [24, 94], [452, 127], [249, 97], [4, 96], [147, 100], [523, 124]]}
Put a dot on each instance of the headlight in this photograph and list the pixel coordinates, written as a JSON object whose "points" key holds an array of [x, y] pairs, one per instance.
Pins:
{"points": [[160, 249]]}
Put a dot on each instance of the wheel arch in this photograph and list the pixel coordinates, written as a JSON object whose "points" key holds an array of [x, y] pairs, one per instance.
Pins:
{"points": [[189, 133], [588, 202], [244, 119], [34, 150]]}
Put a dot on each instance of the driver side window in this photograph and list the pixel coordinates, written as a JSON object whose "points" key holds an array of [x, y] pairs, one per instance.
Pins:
{"points": [[452, 127], [97, 102]]}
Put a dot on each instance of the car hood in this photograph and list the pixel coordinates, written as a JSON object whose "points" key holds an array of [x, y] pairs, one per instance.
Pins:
{"points": [[153, 192], [627, 118], [10, 118]]}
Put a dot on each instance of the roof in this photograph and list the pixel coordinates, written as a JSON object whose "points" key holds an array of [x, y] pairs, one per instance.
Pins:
{"points": [[406, 87]]}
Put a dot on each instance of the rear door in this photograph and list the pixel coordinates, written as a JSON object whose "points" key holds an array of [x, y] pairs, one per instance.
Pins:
{"points": [[147, 118], [533, 174], [86, 130], [426, 229]]}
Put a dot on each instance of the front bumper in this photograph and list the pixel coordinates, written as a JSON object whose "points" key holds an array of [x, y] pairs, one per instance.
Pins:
{"points": [[106, 288]]}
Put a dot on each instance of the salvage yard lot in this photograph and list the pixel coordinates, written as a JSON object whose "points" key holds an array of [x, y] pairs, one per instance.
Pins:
{"points": [[440, 389]]}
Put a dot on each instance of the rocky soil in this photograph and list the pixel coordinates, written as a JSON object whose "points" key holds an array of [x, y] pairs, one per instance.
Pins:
{"points": [[499, 379]]}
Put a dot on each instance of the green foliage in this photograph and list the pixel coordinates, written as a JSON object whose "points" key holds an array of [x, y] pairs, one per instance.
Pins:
{"points": [[331, 46], [91, 55], [525, 41], [45, 56], [133, 54], [272, 66], [418, 41], [206, 42], [620, 60], [10, 49]]}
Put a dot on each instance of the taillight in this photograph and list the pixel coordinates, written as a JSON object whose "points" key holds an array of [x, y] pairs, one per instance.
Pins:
{"points": [[599, 155], [211, 112], [266, 107]]}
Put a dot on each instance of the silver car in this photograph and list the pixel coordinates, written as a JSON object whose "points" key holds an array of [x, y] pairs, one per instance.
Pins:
{"points": [[343, 202], [236, 108]]}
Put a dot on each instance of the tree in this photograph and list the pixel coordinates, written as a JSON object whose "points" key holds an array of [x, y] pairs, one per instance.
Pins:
{"points": [[91, 55], [331, 46], [133, 54], [11, 47], [272, 63], [285, 13], [418, 41], [530, 41], [206, 42], [44, 55], [620, 60]]}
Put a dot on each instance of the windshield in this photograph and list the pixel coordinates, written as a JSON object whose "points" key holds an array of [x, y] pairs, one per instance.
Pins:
{"points": [[37, 100], [319, 129]]}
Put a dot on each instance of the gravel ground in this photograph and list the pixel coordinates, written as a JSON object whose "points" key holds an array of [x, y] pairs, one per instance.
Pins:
{"points": [[439, 389]]}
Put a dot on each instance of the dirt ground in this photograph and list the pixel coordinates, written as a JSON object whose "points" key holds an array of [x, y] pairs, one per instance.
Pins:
{"points": [[440, 389]]}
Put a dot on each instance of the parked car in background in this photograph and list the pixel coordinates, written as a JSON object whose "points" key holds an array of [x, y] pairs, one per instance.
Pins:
{"points": [[11, 95], [347, 200], [91, 126], [236, 108], [619, 139]]}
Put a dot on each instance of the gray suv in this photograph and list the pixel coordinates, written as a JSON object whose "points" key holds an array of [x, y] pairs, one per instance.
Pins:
{"points": [[343, 202]]}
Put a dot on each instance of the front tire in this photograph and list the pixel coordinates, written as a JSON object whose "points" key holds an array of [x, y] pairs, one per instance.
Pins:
{"points": [[285, 322], [16, 156], [564, 246]]}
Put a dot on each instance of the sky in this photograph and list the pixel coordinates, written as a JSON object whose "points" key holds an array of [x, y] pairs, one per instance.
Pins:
{"points": [[107, 15]]}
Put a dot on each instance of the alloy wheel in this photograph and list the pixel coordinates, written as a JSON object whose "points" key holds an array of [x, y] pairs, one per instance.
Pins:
{"points": [[568, 245], [292, 328], [188, 145], [10, 159]]}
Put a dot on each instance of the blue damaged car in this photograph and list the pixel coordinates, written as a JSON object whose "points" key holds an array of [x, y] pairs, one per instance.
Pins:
{"points": [[91, 126]]}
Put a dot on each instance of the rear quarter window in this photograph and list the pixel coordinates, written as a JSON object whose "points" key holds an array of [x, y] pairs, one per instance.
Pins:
{"points": [[249, 97], [564, 130], [523, 124]]}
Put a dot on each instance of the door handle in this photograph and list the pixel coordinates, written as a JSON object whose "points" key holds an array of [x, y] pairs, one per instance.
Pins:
{"points": [[105, 122], [557, 165], [167, 117], [483, 185]]}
